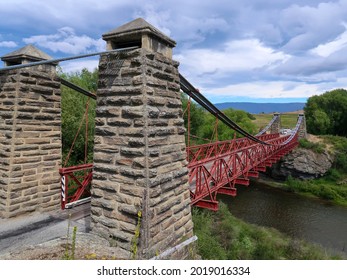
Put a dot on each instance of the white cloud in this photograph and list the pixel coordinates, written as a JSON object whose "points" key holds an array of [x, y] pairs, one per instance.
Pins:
{"points": [[66, 41], [236, 56], [305, 27], [261, 90], [179, 22], [157, 19], [220, 43], [301, 67], [78, 65], [329, 48], [267, 89], [8, 44]]}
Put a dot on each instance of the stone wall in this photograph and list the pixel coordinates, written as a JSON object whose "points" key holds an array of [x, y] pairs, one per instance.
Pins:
{"points": [[30, 141], [139, 154], [276, 125], [302, 130], [303, 164]]}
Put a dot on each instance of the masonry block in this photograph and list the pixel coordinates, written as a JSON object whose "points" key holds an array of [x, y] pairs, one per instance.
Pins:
{"points": [[140, 150], [30, 136]]}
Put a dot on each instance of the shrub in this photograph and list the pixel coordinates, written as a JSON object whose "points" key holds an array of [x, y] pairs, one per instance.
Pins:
{"points": [[316, 147]]}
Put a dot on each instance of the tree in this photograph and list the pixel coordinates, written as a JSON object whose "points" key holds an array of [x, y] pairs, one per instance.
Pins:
{"points": [[73, 109], [319, 123], [240, 117], [197, 115], [326, 113]]}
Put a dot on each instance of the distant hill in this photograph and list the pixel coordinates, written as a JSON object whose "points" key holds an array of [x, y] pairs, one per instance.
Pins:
{"points": [[257, 108]]}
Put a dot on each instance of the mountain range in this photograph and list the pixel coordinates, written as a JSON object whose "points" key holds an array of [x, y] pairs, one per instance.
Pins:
{"points": [[258, 108]]}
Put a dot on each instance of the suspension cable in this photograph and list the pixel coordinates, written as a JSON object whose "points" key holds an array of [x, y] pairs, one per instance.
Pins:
{"points": [[188, 107], [57, 60], [267, 126], [77, 88], [205, 103], [86, 134]]}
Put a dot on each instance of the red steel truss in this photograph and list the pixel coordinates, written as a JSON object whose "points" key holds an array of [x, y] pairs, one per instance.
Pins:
{"points": [[217, 168], [75, 183], [208, 151]]}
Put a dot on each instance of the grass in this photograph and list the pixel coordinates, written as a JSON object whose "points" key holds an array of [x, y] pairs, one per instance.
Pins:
{"points": [[316, 147], [222, 236], [287, 120], [332, 187], [70, 250], [261, 120]]}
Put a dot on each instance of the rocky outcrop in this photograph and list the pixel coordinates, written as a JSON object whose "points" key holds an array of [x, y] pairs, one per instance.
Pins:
{"points": [[303, 164]]}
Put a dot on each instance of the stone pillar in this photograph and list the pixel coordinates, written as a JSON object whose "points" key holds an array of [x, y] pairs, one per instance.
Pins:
{"points": [[140, 154], [276, 125], [30, 137], [302, 128]]}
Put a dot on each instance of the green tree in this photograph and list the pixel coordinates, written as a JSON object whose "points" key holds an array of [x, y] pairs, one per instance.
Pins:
{"points": [[73, 109], [202, 123], [319, 123], [206, 129], [326, 113], [197, 116]]}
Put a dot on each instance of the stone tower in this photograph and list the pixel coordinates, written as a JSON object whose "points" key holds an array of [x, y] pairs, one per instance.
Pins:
{"points": [[302, 129], [140, 162], [276, 125], [30, 135]]}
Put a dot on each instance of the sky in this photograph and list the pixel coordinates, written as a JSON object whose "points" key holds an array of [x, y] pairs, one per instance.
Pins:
{"points": [[233, 51]]}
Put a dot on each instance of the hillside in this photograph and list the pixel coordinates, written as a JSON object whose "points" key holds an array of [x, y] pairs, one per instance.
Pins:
{"points": [[257, 108]]}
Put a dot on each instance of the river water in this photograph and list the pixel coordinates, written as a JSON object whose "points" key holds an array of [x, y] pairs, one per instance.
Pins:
{"points": [[312, 220]]}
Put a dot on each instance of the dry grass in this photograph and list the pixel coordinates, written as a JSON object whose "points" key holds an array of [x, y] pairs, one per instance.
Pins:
{"points": [[288, 120]]}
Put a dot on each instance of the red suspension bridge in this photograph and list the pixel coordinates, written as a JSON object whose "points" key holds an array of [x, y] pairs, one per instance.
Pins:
{"points": [[214, 168]]}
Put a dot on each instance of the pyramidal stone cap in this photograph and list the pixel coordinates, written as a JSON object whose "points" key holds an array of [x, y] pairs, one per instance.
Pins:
{"points": [[139, 33], [25, 55]]}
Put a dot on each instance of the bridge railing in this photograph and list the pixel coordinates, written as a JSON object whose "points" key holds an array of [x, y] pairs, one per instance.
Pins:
{"points": [[198, 153], [220, 173]]}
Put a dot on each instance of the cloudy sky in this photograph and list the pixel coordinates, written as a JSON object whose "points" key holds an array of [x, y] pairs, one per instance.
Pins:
{"points": [[241, 50]]}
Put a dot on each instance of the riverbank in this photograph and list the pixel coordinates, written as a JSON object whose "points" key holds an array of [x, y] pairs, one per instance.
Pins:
{"points": [[326, 188], [332, 187], [223, 236]]}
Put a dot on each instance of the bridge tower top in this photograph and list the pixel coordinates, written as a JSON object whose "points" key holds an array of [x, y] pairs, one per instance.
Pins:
{"points": [[139, 33], [25, 55]]}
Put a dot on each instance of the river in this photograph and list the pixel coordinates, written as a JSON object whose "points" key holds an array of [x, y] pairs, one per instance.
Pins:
{"points": [[313, 220]]}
